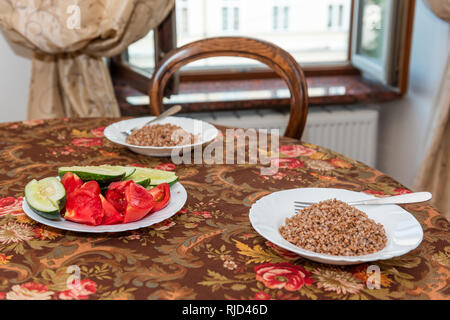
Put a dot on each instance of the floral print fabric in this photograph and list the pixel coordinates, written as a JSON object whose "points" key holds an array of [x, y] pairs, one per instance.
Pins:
{"points": [[208, 250]]}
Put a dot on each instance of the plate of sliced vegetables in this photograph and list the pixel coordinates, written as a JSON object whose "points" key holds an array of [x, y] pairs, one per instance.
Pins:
{"points": [[104, 198]]}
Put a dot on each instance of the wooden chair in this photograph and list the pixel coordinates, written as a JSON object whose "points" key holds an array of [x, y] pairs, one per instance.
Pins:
{"points": [[273, 56]]}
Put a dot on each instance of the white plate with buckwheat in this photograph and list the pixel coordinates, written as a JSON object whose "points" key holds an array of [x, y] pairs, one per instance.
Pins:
{"points": [[402, 230], [201, 130]]}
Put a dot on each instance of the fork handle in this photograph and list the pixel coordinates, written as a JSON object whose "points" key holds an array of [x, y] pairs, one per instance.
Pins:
{"points": [[165, 114], [400, 199]]}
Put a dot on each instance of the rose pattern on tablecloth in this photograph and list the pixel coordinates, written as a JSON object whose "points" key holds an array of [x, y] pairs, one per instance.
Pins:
{"points": [[208, 250]]}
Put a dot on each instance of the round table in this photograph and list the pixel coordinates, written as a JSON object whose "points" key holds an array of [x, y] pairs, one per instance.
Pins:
{"points": [[208, 250]]}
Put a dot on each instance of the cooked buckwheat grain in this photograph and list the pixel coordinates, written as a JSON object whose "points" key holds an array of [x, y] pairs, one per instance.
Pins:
{"points": [[160, 135], [335, 228]]}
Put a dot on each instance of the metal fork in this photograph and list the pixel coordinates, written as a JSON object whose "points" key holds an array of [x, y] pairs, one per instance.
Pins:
{"points": [[400, 199]]}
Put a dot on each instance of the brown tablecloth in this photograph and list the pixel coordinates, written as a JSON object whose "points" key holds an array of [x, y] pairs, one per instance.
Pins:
{"points": [[206, 251]]}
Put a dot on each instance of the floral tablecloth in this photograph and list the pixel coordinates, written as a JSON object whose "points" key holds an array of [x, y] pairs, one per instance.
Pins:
{"points": [[208, 250]]}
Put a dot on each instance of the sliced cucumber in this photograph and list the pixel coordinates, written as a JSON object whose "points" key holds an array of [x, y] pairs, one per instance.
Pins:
{"points": [[144, 182], [170, 181], [139, 177], [101, 174], [46, 197], [156, 176], [128, 170]]}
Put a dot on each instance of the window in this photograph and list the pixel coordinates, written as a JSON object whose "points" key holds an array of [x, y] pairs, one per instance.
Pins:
{"points": [[141, 54], [322, 35], [275, 18], [286, 18], [304, 37], [184, 20], [375, 42], [236, 19], [230, 18], [330, 16], [341, 16], [224, 19], [336, 16]]}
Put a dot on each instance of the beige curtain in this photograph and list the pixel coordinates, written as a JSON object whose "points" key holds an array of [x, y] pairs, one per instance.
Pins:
{"points": [[434, 175], [441, 8], [69, 39]]}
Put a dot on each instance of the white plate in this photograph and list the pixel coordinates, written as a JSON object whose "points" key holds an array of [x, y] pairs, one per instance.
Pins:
{"points": [[205, 131], [403, 231], [177, 200]]}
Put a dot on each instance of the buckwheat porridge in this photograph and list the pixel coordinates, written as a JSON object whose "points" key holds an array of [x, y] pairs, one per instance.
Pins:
{"points": [[335, 228], [161, 135]]}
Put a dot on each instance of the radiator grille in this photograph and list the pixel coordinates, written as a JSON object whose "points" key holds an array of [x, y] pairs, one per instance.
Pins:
{"points": [[351, 131]]}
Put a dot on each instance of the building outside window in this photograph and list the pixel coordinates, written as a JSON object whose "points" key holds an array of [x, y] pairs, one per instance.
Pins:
{"points": [[306, 37]]}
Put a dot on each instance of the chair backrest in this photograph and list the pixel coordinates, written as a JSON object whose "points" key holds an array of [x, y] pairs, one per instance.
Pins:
{"points": [[271, 55]]}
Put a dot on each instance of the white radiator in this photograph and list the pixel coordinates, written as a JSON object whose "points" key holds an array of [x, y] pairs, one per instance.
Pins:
{"points": [[351, 131]]}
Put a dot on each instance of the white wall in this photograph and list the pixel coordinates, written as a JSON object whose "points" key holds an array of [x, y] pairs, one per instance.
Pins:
{"points": [[405, 124], [15, 71]]}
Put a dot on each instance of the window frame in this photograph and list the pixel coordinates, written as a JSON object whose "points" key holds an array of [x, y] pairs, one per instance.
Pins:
{"points": [[378, 68], [393, 67], [165, 40]]}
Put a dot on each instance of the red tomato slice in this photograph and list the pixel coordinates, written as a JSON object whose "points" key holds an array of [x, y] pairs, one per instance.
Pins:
{"points": [[92, 186], [161, 196], [139, 203], [84, 206], [116, 195], [71, 181], [111, 215]]}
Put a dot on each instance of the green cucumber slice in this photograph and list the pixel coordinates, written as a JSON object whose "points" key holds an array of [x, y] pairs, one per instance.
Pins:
{"points": [[170, 181], [46, 197], [101, 174], [139, 177], [156, 176], [128, 170]]}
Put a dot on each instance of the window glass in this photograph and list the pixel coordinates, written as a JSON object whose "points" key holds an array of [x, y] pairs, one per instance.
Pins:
{"points": [[275, 18], [141, 54], [373, 15], [312, 31]]}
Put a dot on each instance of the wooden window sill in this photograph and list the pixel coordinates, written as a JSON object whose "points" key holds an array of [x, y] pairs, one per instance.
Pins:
{"points": [[255, 94]]}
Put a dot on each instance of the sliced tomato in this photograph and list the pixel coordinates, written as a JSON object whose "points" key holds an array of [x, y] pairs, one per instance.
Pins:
{"points": [[116, 195], [84, 206], [111, 215], [139, 203], [92, 186], [71, 182], [130, 199], [161, 196]]}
